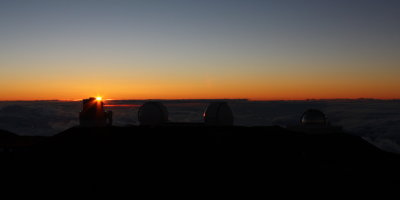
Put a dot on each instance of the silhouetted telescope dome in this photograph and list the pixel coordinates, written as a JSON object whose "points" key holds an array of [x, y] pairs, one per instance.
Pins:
{"points": [[218, 114], [152, 113], [93, 113], [313, 117]]}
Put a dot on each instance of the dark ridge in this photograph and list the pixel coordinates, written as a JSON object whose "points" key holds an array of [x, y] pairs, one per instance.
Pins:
{"points": [[11, 142], [7, 134], [196, 159]]}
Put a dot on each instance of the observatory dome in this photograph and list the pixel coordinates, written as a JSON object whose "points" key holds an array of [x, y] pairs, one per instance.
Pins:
{"points": [[313, 117], [93, 113], [218, 114], [152, 113]]}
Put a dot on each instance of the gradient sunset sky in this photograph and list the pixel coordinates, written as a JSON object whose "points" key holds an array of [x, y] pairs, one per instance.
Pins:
{"points": [[169, 49]]}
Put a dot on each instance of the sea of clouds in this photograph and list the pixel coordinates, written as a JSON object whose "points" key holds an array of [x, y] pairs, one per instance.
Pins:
{"points": [[377, 121]]}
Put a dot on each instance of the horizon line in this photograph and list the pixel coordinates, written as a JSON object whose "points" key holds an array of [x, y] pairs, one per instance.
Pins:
{"points": [[194, 99]]}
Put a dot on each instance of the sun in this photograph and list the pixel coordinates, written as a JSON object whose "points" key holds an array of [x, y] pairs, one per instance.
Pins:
{"points": [[99, 98]]}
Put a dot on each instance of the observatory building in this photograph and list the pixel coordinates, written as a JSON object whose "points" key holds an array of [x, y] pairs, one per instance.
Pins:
{"points": [[218, 114], [152, 113], [93, 114], [314, 121], [313, 117]]}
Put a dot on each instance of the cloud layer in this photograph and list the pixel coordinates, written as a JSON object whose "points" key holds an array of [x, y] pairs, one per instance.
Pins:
{"points": [[377, 121]]}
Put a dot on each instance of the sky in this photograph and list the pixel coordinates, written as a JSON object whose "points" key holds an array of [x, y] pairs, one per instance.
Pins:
{"points": [[171, 49]]}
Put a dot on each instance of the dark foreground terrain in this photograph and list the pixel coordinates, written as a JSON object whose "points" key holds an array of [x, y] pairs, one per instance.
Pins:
{"points": [[190, 159]]}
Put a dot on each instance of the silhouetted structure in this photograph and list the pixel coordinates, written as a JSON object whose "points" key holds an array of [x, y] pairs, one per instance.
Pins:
{"points": [[315, 122], [218, 114], [313, 117], [93, 114], [152, 113]]}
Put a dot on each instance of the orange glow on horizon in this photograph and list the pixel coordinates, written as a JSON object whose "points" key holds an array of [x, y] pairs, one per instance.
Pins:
{"points": [[270, 89]]}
